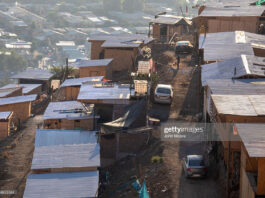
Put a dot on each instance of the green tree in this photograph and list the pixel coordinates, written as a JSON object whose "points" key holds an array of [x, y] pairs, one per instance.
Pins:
{"points": [[62, 73]]}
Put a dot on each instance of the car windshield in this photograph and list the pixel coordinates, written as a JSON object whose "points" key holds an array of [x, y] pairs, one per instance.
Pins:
{"points": [[163, 90], [196, 162], [183, 43]]}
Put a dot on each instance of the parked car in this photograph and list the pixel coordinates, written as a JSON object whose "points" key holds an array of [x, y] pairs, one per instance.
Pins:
{"points": [[183, 47], [194, 165], [163, 94]]}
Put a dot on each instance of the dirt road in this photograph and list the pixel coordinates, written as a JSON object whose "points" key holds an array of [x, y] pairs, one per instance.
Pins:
{"points": [[166, 179], [16, 156]]}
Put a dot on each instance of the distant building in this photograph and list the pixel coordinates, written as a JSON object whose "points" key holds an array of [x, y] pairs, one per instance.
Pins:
{"points": [[124, 50], [18, 45], [229, 16], [165, 27]]}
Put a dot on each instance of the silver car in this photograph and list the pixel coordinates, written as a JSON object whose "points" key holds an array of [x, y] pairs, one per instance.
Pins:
{"points": [[194, 165], [163, 94]]}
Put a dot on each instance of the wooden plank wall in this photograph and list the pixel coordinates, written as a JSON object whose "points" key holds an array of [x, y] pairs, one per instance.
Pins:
{"points": [[228, 24], [71, 93], [37, 90], [122, 58], [4, 129], [21, 111], [246, 190], [93, 71], [156, 31], [87, 124]]}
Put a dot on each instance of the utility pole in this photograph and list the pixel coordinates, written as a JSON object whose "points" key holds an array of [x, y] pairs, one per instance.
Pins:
{"points": [[66, 71]]}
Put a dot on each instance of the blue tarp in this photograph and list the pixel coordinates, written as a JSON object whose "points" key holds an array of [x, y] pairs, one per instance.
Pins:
{"points": [[143, 192]]}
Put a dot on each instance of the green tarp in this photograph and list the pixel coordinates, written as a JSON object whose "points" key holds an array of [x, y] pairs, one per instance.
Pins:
{"points": [[260, 2]]}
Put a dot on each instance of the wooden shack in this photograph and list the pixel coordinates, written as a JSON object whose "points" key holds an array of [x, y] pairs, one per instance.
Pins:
{"points": [[224, 112], [72, 86], [5, 122], [252, 168], [229, 18], [69, 115], [166, 27], [10, 92], [123, 49], [19, 105], [91, 68], [27, 89], [109, 98], [35, 76]]}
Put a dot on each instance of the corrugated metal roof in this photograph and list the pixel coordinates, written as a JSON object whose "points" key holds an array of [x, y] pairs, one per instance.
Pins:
{"points": [[18, 99], [100, 92], [93, 63], [26, 88], [253, 138], [240, 105], [67, 185], [80, 81], [226, 45], [65, 149], [229, 3], [37, 74], [237, 86], [171, 20], [238, 67], [122, 40], [7, 91], [70, 110], [4, 115], [232, 11]]}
